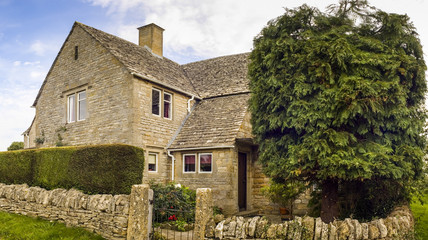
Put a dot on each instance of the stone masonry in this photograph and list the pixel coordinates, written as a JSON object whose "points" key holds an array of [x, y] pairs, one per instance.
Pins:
{"points": [[396, 226], [103, 214]]}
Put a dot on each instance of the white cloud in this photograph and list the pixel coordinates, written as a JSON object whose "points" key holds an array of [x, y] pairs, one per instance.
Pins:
{"points": [[216, 27], [20, 82], [199, 28], [31, 63], [44, 48], [16, 114], [38, 47]]}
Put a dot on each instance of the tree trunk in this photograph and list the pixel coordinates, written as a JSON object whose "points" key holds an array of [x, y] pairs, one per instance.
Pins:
{"points": [[329, 206]]}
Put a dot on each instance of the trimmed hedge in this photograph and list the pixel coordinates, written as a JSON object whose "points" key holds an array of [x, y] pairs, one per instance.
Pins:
{"points": [[109, 169]]}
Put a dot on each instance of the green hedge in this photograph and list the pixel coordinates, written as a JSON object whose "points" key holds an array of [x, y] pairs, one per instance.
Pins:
{"points": [[109, 169]]}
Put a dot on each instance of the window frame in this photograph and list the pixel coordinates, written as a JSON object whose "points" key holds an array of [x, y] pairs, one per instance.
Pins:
{"points": [[170, 105], [74, 104], [199, 162], [156, 162], [184, 162], [159, 102], [78, 101], [71, 111]]}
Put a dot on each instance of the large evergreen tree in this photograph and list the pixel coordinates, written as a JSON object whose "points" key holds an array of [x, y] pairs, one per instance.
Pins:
{"points": [[338, 97]]}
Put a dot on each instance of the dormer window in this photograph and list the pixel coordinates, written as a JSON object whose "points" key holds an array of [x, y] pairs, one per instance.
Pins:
{"points": [[161, 103]]}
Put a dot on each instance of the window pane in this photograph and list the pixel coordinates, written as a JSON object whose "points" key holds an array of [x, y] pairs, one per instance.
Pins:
{"points": [[205, 162], [189, 163], [81, 96], [152, 162], [71, 109], [167, 106], [167, 97], [156, 102]]}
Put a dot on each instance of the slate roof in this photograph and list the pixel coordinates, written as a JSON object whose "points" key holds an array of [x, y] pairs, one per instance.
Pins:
{"points": [[221, 82], [214, 122], [138, 59], [219, 76]]}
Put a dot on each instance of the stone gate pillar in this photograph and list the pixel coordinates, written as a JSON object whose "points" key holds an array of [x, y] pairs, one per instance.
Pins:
{"points": [[203, 211], [140, 212]]}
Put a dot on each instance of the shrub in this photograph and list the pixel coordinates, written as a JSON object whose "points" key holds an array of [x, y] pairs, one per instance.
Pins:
{"points": [[17, 167], [173, 202], [52, 166], [110, 169], [107, 168], [16, 146]]}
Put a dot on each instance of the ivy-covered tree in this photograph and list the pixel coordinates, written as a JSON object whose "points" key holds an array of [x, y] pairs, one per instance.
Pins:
{"points": [[338, 96], [16, 146]]}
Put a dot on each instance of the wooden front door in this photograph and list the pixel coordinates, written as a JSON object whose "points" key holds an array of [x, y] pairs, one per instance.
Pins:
{"points": [[242, 181]]}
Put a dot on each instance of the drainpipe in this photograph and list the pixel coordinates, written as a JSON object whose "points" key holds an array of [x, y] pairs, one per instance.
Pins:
{"points": [[188, 103], [172, 166]]}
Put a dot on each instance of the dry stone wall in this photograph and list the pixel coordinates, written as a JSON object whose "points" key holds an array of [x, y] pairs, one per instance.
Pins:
{"points": [[396, 226], [104, 214]]}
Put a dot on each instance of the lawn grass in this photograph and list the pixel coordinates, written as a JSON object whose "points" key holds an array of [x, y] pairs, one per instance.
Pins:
{"points": [[14, 227], [420, 212]]}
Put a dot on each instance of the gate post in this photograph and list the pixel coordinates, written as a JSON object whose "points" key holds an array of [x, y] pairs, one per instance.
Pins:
{"points": [[203, 211], [140, 212]]}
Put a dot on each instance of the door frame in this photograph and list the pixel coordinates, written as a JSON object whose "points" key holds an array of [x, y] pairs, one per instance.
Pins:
{"points": [[242, 181]]}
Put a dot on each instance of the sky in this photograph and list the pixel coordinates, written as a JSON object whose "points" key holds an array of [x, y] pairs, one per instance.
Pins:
{"points": [[33, 31]]}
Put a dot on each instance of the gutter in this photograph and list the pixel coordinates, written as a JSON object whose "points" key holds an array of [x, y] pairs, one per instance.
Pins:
{"points": [[165, 85], [188, 103], [176, 134], [200, 148], [172, 166], [183, 149]]}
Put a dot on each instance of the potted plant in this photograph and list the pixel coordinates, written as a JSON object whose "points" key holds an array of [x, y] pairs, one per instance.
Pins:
{"points": [[284, 194]]}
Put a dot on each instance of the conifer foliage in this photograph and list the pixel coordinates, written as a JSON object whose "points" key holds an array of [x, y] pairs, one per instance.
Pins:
{"points": [[338, 96]]}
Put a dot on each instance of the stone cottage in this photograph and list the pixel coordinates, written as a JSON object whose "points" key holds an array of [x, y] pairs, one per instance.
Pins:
{"points": [[192, 120]]}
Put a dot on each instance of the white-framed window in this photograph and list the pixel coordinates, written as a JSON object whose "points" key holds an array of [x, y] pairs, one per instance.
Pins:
{"points": [[81, 105], [153, 162], [167, 105], [205, 162], [71, 108], [76, 107], [161, 103], [189, 163], [156, 99]]}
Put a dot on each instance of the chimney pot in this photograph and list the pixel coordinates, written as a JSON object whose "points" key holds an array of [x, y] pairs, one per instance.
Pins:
{"points": [[151, 35]]}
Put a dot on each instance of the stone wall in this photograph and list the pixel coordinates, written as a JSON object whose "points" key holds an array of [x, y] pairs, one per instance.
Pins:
{"points": [[152, 132], [103, 214], [107, 85], [396, 226], [221, 180]]}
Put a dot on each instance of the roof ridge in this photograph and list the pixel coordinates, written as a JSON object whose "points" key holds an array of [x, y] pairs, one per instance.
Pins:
{"points": [[227, 95], [132, 67], [214, 58]]}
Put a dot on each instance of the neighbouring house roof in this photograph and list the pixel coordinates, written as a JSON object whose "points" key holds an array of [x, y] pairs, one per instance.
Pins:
{"points": [[219, 76], [214, 122], [29, 128]]}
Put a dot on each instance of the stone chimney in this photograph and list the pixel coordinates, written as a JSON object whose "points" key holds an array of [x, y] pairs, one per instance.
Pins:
{"points": [[151, 35]]}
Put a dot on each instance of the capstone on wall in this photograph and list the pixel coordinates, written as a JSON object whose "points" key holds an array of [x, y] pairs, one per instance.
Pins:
{"points": [[104, 214], [398, 225]]}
